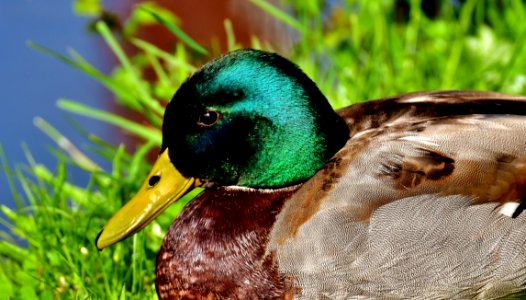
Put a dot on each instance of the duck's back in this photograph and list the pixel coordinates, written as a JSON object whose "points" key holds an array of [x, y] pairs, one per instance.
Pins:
{"points": [[425, 200]]}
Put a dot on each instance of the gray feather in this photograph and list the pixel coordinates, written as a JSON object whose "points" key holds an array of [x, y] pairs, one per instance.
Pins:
{"points": [[410, 209]]}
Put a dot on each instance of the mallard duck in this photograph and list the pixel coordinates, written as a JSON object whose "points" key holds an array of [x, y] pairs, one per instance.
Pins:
{"points": [[414, 196]]}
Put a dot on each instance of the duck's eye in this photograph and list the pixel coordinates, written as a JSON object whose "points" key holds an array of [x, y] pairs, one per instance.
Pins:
{"points": [[208, 118]]}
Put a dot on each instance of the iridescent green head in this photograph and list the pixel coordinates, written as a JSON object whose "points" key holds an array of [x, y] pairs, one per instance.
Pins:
{"points": [[249, 118], [253, 119]]}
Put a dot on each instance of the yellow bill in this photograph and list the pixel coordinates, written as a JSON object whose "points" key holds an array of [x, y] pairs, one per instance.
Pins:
{"points": [[164, 186]]}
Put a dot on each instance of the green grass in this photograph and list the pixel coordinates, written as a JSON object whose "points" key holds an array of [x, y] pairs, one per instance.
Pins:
{"points": [[361, 50]]}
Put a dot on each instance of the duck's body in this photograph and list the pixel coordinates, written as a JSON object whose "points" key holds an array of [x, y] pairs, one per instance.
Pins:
{"points": [[418, 196], [412, 205]]}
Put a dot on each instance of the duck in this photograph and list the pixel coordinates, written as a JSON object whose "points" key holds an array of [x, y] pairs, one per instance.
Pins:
{"points": [[414, 196]]}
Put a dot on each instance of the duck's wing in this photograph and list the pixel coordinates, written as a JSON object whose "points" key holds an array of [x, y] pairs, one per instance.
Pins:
{"points": [[424, 200], [469, 143]]}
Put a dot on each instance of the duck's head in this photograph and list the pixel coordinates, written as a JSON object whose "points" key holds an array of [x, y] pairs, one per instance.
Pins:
{"points": [[249, 118]]}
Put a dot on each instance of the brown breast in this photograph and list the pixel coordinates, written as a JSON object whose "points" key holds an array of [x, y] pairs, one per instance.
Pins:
{"points": [[216, 248]]}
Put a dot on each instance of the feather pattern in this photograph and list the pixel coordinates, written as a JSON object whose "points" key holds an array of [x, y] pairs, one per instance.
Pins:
{"points": [[410, 206]]}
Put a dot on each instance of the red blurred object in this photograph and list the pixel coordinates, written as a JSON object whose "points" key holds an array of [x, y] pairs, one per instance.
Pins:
{"points": [[204, 22]]}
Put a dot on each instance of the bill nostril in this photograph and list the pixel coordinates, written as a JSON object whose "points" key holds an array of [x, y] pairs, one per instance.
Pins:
{"points": [[154, 180]]}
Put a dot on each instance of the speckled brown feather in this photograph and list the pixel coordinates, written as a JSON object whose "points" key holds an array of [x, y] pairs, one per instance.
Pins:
{"points": [[501, 176], [410, 115], [408, 208], [423, 145]]}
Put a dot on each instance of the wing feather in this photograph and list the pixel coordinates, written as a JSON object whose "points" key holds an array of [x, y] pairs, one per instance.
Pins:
{"points": [[410, 206]]}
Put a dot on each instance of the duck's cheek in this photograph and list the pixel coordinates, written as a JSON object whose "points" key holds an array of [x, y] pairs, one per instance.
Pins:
{"points": [[218, 154]]}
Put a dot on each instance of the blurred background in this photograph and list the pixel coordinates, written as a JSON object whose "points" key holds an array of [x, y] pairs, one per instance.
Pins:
{"points": [[31, 82]]}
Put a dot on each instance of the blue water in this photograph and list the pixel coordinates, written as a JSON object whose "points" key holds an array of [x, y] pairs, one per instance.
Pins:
{"points": [[31, 82]]}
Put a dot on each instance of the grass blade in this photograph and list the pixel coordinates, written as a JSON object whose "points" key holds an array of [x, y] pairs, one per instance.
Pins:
{"points": [[178, 32], [144, 96], [280, 15], [147, 133], [81, 159]]}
